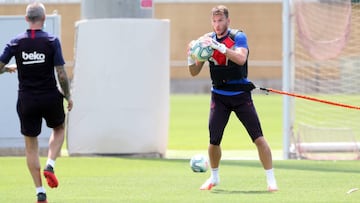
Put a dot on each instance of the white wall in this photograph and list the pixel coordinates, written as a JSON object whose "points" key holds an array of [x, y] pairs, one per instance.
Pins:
{"points": [[120, 87]]}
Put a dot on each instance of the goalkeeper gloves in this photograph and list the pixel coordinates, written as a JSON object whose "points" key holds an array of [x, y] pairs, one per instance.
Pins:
{"points": [[215, 45], [190, 58]]}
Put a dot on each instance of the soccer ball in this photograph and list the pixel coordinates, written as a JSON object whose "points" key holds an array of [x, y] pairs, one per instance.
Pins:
{"points": [[199, 163], [200, 51]]}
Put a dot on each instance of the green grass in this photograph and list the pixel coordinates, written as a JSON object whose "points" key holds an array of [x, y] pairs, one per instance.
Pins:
{"points": [[119, 179], [189, 123], [110, 179]]}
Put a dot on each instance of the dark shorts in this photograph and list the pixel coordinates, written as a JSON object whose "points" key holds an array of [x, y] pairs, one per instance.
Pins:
{"points": [[32, 108], [220, 109]]}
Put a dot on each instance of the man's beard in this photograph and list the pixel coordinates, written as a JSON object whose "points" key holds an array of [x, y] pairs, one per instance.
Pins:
{"points": [[225, 30], [222, 33]]}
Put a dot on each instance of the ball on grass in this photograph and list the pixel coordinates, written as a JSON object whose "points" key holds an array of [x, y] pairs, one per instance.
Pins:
{"points": [[199, 163]]}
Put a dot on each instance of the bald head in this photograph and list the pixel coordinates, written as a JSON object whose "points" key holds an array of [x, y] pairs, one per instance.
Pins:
{"points": [[35, 12]]}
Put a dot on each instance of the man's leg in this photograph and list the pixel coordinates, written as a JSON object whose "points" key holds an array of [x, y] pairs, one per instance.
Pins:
{"points": [[55, 143], [33, 163], [32, 159], [218, 118], [248, 116], [214, 152], [264, 153], [214, 155], [266, 160]]}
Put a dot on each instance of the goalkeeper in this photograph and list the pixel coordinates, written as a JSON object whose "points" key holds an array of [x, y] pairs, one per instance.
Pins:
{"points": [[231, 92]]}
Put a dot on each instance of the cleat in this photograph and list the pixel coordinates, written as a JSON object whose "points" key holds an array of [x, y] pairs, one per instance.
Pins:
{"points": [[41, 198], [209, 184], [272, 188], [50, 177]]}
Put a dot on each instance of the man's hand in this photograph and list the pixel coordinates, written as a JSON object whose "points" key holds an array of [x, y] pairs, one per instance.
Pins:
{"points": [[208, 41], [11, 68]]}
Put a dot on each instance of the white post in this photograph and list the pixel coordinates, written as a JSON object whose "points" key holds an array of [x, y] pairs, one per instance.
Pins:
{"points": [[286, 78]]}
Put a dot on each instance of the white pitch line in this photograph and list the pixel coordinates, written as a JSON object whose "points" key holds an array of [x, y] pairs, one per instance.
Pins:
{"points": [[352, 190]]}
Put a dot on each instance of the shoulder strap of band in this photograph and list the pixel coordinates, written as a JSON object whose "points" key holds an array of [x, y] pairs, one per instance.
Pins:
{"points": [[233, 32]]}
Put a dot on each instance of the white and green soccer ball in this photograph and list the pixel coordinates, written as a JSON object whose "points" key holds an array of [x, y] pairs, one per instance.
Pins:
{"points": [[201, 52], [199, 163]]}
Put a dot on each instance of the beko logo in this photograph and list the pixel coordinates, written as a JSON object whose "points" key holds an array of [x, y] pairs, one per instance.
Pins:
{"points": [[32, 58]]}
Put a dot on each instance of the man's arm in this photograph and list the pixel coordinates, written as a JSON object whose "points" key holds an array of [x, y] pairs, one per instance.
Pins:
{"points": [[238, 56], [64, 84], [195, 68], [194, 65]]}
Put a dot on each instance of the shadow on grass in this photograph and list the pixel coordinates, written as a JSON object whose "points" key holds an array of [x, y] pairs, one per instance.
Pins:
{"points": [[305, 165], [222, 191]]}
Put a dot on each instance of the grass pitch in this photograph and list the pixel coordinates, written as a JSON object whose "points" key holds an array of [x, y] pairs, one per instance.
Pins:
{"points": [[119, 179], [110, 179], [189, 123]]}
